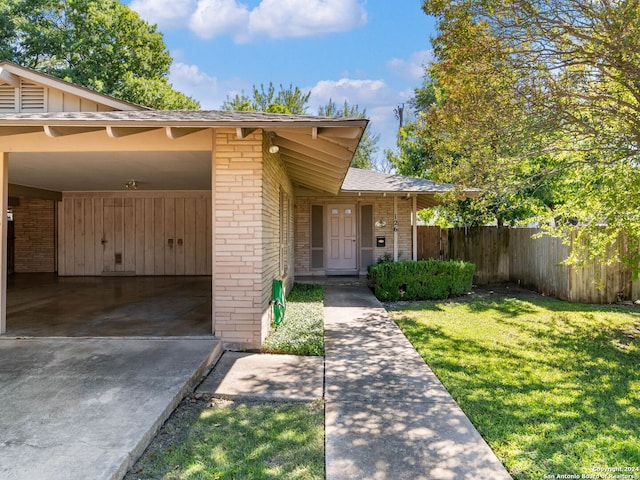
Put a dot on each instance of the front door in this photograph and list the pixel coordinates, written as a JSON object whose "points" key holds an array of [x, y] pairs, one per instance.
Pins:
{"points": [[342, 238]]}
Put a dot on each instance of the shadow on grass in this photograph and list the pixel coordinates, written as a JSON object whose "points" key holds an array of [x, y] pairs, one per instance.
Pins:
{"points": [[225, 440], [553, 387]]}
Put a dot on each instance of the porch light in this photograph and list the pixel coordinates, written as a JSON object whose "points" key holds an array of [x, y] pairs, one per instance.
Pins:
{"points": [[131, 185], [381, 223]]}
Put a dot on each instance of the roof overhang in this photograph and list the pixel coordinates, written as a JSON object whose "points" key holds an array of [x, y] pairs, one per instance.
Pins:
{"points": [[316, 151]]}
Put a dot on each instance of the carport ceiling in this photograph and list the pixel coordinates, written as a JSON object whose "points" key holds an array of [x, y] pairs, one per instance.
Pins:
{"points": [[107, 171]]}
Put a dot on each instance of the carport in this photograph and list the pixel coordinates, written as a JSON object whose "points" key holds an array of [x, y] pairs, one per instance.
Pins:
{"points": [[131, 226], [123, 191]]}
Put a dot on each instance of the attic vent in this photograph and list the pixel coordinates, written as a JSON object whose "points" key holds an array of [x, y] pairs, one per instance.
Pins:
{"points": [[32, 97], [7, 98]]}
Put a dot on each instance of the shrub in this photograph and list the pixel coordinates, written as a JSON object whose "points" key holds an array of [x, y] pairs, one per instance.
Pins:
{"points": [[421, 280]]}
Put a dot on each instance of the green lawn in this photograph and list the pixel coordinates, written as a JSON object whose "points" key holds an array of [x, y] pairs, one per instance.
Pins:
{"points": [[229, 440], [553, 387], [302, 331]]}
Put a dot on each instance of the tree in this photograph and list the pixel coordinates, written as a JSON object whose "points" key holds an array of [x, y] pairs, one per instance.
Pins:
{"points": [[102, 45], [289, 100], [364, 154], [542, 97]]}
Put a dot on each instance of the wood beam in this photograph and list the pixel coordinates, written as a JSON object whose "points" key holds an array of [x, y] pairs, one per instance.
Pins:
{"points": [[6, 131], [9, 78], [178, 132], [243, 133], [313, 149], [56, 132], [296, 162], [119, 132], [351, 133], [32, 192]]}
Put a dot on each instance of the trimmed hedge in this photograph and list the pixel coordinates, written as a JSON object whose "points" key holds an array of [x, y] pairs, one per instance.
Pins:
{"points": [[421, 280]]}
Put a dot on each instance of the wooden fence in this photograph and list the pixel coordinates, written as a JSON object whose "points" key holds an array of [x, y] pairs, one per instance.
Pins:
{"points": [[512, 255]]}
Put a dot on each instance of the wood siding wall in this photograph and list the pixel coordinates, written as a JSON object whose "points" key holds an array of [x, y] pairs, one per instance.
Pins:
{"points": [[141, 233]]}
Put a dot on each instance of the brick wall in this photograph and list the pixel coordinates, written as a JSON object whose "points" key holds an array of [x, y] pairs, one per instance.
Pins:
{"points": [[278, 243], [34, 223], [249, 184], [383, 209], [238, 237]]}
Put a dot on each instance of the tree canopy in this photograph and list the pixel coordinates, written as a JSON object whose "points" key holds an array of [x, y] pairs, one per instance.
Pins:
{"points": [[538, 103], [290, 100], [102, 45]]}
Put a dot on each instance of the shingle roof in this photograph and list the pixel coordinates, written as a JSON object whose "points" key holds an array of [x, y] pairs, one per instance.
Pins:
{"points": [[191, 117], [359, 180]]}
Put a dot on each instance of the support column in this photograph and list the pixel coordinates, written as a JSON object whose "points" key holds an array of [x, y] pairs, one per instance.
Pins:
{"points": [[395, 228], [414, 215], [4, 225], [213, 231]]}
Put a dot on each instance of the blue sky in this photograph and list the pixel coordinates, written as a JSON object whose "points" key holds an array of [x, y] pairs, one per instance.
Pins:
{"points": [[369, 52]]}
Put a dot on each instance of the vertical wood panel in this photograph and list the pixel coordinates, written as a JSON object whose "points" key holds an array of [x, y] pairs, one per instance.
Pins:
{"points": [[158, 246], [118, 232], [69, 240], [129, 247], [201, 236], [89, 239], [98, 225], [170, 241], [108, 219], [149, 237], [139, 228], [179, 247], [190, 236], [61, 235]]}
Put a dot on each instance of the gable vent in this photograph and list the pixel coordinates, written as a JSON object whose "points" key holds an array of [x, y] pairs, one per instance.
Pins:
{"points": [[8, 98], [32, 97]]}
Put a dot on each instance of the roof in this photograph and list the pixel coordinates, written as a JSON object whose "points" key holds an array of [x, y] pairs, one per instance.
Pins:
{"points": [[315, 150], [194, 118], [8, 69], [367, 181]]}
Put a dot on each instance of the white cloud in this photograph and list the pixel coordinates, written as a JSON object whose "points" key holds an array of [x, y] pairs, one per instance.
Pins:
{"points": [[166, 13], [305, 18], [213, 18], [365, 93], [271, 18], [413, 68], [190, 80]]}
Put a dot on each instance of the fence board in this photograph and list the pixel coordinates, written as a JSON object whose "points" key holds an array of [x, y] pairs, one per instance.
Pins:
{"points": [[511, 254]]}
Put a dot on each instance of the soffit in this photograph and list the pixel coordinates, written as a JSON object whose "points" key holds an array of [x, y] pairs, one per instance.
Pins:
{"points": [[96, 148]]}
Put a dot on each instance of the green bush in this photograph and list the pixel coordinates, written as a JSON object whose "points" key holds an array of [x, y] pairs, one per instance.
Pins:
{"points": [[421, 280]]}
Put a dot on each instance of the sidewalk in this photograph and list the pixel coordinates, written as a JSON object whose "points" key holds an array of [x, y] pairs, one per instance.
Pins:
{"points": [[387, 415]]}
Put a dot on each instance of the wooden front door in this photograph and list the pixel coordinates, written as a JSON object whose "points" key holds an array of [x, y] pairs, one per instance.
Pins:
{"points": [[342, 238]]}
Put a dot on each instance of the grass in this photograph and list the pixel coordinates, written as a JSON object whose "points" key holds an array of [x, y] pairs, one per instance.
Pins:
{"points": [[553, 387], [225, 440], [302, 331]]}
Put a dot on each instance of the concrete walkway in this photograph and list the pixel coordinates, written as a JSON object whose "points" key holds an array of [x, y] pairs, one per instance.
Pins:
{"points": [[387, 415]]}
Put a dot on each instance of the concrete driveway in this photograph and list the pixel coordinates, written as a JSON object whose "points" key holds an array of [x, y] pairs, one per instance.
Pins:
{"points": [[79, 408]]}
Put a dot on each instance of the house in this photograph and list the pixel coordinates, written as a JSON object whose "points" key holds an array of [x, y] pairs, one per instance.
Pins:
{"points": [[106, 187]]}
